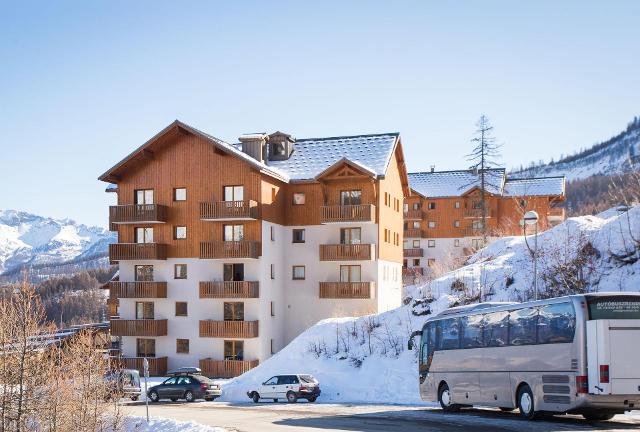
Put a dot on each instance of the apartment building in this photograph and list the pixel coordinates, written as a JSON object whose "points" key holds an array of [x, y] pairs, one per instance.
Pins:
{"points": [[443, 215], [228, 251]]}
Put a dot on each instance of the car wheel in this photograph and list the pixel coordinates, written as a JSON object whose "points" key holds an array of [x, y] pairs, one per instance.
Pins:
{"points": [[188, 396], [525, 403], [291, 397], [275, 400], [506, 409], [174, 399], [598, 416], [312, 399], [255, 397], [134, 398], [445, 399], [153, 396]]}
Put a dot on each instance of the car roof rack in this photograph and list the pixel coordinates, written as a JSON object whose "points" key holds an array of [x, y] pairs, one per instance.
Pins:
{"points": [[185, 371]]}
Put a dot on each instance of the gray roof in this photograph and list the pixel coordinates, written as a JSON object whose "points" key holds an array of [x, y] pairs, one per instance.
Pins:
{"points": [[538, 186], [440, 184], [312, 156]]}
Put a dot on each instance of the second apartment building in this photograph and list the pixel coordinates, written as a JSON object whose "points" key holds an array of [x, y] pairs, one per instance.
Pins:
{"points": [[228, 251]]}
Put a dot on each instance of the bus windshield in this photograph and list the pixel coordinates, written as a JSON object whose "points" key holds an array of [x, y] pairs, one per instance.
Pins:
{"points": [[614, 307]]}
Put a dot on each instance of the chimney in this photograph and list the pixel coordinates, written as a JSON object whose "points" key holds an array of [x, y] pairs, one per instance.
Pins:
{"points": [[433, 168], [253, 145], [280, 145]]}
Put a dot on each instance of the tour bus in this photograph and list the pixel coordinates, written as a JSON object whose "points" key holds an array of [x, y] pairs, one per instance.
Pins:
{"points": [[577, 354]]}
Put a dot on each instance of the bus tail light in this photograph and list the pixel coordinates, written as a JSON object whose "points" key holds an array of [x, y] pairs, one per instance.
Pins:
{"points": [[604, 374], [582, 385]]}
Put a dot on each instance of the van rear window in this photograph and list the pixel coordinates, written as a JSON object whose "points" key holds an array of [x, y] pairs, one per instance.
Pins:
{"points": [[614, 307]]}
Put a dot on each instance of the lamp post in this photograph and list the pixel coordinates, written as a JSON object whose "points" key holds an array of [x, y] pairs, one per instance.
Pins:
{"points": [[531, 218]]}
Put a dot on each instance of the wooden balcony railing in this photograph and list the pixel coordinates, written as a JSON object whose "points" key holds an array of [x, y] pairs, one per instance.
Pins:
{"points": [[413, 233], [413, 252], [229, 210], [476, 213], [137, 251], [157, 365], [135, 213], [413, 214], [474, 232], [226, 368], [346, 252], [228, 329], [556, 212], [138, 289], [148, 327], [347, 213], [230, 289], [346, 290], [413, 271], [230, 249]]}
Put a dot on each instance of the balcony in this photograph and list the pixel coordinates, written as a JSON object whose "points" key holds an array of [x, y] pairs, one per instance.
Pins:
{"points": [[141, 327], [137, 251], [229, 210], [346, 290], [413, 233], [134, 213], [229, 329], [413, 271], [138, 289], [226, 368], [347, 213], [476, 213], [473, 232], [157, 365], [556, 214], [230, 249], [413, 253], [413, 214], [229, 289], [347, 252]]}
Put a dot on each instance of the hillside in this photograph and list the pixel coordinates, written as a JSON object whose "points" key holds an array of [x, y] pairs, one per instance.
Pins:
{"points": [[365, 359]]}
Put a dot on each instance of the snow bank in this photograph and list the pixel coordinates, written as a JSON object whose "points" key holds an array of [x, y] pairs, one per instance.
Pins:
{"points": [[159, 424]]}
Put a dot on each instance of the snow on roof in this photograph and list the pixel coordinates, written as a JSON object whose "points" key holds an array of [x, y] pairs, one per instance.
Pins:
{"points": [[312, 156], [538, 186], [439, 184]]}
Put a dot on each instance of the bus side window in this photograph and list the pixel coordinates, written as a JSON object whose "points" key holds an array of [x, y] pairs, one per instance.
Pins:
{"points": [[471, 329], [523, 326], [496, 329], [450, 334], [556, 323]]}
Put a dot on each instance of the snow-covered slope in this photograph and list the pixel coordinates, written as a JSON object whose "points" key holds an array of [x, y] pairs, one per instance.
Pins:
{"points": [[614, 156], [35, 240], [365, 359]]}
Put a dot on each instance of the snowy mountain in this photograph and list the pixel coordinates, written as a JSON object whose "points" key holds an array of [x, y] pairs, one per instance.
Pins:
{"points": [[615, 156], [366, 359], [28, 239]]}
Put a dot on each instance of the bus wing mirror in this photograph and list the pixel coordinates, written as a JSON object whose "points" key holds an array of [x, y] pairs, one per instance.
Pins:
{"points": [[411, 343]]}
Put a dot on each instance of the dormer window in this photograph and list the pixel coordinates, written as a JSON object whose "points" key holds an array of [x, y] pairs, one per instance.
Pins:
{"points": [[279, 149], [280, 146]]}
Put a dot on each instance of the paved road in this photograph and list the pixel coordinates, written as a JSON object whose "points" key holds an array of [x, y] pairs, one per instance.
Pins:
{"points": [[270, 417]]}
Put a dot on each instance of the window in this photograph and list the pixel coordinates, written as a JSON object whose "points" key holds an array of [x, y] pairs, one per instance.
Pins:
{"points": [[429, 343], [180, 271], [180, 233], [431, 243], [298, 198], [233, 193], [386, 198], [351, 197], [274, 194], [350, 273], [476, 224], [233, 272], [404, 263], [523, 203], [180, 194], [477, 243], [233, 232], [432, 224], [416, 225], [272, 381], [416, 243], [431, 262], [352, 235], [522, 326], [273, 233], [298, 272], [475, 204], [416, 262], [144, 310], [273, 271], [450, 336], [273, 309], [181, 309], [233, 311], [233, 350], [556, 323], [298, 236], [386, 235], [182, 346], [456, 223], [416, 206], [272, 350], [471, 329], [143, 273], [145, 347], [456, 243], [143, 196], [432, 206], [143, 235], [496, 329], [456, 204]]}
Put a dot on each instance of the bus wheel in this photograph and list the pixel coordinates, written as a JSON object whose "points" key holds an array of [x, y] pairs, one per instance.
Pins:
{"points": [[445, 399], [598, 416], [506, 409], [525, 403]]}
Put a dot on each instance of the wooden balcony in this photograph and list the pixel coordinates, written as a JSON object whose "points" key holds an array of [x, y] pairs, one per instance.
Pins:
{"points": [[413, 271], [138, 289], [476, 213], [473, 232], [229, 289], [134, 213], [346, 290], [229, 329], [137, 251], [413, 233], [347, 213], [413, 214], [230, 249], [347, 252], [556, 214], [229, 210], [413, 253], [226, 368], [157, 365], [141, 327]]}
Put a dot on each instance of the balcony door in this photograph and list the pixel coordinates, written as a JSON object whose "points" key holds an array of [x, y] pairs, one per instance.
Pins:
{"points": [[145, 347], [233, 272], [233, 350], [351, 197], [144, 235], [233, 311], [350, 273], [350, 236], [144, 196], [144, 310], [144, 273], [233, 233], [233, 193]]}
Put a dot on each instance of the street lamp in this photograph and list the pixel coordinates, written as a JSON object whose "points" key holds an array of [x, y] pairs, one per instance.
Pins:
{"points": [[531, 218]]}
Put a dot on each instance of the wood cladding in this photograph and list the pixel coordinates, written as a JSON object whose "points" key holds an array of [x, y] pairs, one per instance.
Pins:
{"points": [[157, 365], [230, 249], [346, 290], [229, 329], [226, 368], [229, 289], [229, 210], [137, 213], [138, 289], [120, 327], [137, 251], [347, 213], [346, 252]]}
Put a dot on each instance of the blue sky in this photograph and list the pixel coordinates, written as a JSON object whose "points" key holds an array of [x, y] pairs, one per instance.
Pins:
{"points": [[83, 83]]}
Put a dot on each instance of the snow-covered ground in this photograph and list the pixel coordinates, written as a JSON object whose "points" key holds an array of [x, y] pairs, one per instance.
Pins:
{"points": [[159, 424]]}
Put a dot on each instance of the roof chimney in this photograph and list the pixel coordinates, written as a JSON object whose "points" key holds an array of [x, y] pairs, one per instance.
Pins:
{"points": [[280, 145], [433, 168], [253, 145]]}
